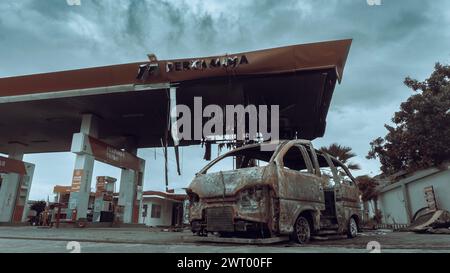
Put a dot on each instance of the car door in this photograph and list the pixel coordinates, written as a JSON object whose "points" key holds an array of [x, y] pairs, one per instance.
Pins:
{"points": [[299, 188], [347, 195]]}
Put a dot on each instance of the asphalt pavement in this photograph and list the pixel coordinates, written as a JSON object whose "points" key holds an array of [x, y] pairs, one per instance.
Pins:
{"points": [[145, 240]]}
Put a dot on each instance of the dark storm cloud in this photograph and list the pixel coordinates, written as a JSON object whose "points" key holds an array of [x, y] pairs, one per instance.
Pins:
{"points": [[127, 29], [390, 42], [381, 54], [142, 17]]}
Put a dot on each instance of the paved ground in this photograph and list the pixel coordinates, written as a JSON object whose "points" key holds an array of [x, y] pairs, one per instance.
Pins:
{"points": [[32, 239]]}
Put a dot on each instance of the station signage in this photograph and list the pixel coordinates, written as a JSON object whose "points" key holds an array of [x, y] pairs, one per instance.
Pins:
{"points": [[76, 180], [205, 64], [193, 65], [113, 156], [101, 151]]}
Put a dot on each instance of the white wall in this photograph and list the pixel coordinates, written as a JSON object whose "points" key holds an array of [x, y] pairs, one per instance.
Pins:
{"points": [[166, 212], [392, 206], [392, 203], [441, 184]]}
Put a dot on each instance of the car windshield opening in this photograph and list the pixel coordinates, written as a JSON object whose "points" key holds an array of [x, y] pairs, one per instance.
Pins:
{"points": [[241, 159]]}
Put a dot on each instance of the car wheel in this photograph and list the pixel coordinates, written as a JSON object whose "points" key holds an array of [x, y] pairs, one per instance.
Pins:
{"points": [[352, 228], [302, 230]]}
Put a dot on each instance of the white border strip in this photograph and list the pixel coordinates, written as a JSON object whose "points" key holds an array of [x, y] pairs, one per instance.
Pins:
{"points": [[84, 92]]}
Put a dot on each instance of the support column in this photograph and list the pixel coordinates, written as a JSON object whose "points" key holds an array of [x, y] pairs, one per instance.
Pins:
{"points": [[126, 194], [16, 155], [9, 190], [82, 175], [25, 190], [130, 192]]}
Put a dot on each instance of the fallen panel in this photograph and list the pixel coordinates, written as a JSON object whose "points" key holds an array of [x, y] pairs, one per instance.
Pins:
{"points": [[433, 219]]}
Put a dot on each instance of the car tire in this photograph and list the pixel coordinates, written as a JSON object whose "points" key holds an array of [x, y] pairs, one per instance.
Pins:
{"points": [[352, 230], [302, 230]]}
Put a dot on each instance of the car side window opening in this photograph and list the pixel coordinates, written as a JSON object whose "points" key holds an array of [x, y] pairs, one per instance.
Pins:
{"points": [[311, 157], [326, 171], [225, 164], [344, 177], [294, 160]]}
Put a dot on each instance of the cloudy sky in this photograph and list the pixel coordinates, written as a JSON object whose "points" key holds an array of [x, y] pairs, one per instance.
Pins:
{"points": [[390, 42]]}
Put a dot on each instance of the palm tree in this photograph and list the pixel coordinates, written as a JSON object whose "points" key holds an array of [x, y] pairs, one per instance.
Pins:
{"points": [[342, 153]]}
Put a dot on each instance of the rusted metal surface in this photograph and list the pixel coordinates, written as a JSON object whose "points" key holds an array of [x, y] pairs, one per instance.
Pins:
{"points": [[268, 200], [332, 54], [113, 75], [220, 218]]}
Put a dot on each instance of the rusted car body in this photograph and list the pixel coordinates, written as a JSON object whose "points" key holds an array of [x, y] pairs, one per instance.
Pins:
{"points": [[299, 192]]}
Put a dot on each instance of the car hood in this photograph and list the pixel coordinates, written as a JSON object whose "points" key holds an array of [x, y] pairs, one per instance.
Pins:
{"points": [[228, 183]]}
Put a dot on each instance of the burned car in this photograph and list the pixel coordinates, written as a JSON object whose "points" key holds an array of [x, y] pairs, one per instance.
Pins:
{"points": [[287, 189]]}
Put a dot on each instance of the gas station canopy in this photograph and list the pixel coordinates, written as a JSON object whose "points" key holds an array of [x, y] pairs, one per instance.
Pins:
{"points": [[41, 112]]}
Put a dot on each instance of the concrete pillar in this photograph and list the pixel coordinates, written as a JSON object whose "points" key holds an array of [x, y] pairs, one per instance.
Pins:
{"points": [[8, 195], [128, 192], [26, 185], [84, 165], [9, 190], [17, 155]]}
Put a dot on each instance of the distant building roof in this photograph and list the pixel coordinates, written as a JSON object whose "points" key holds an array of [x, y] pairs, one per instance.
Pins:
{"points": [[61, 189], [165, 195]]}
